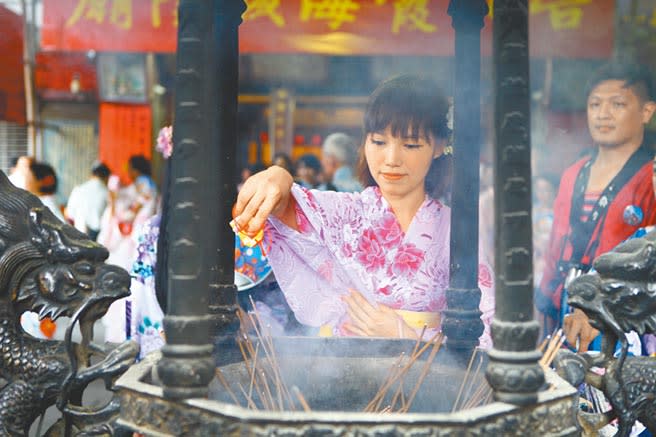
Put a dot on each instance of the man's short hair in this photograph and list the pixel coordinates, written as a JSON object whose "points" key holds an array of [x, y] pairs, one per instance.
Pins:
{"points": [[310, 161], [341, 146], [140, 163], [45, 176], [100, 170], [635, 76]]}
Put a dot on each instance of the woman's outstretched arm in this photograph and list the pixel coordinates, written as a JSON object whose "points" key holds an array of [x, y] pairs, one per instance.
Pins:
{"points": [[265, 193]]}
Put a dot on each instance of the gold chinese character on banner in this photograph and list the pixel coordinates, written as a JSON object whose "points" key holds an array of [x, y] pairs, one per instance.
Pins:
{"points": [[336, 12], [122, 13], [410, 13], [155, 12], [563, 14], [92, 10], [175, 14], [652, 22], [264, 8]]}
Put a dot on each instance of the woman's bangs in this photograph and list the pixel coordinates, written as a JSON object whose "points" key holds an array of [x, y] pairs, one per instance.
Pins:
{"points": [[384, 112]]}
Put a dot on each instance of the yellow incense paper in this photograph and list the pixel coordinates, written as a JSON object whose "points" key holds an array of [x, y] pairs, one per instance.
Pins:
{"points": [[247, 240]]}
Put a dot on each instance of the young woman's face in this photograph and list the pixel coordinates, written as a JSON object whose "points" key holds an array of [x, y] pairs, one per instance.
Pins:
{"points": [[399, 164]]}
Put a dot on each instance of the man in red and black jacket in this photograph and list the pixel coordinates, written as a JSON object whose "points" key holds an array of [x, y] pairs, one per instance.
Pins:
{"points": [[604, 197]]}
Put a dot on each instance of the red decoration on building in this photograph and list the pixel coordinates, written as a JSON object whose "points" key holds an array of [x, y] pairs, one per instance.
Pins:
{"points": [[558, 28], [12, 84], [125, 130]]}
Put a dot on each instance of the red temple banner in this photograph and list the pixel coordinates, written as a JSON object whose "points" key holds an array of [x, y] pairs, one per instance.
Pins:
{"points": [[558, 28], [12, 85], [125, 130]]}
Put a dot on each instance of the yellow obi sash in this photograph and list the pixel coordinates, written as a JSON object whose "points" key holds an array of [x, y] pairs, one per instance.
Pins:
{"points": [[414, 319]]}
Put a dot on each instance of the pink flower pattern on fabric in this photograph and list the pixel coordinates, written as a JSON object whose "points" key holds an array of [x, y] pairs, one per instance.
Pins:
{"points": [[389, 231], [407, 261], [326, 271], [302, 221], [371, 253], [485, 276], [354, 241]]}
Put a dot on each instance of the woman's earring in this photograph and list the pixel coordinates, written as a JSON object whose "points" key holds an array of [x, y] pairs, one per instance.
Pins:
{"points": [[448, 150]]}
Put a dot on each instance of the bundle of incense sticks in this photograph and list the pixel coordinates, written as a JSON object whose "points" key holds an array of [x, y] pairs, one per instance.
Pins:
{"points": [[267, 389], [550, 346], [474, 390], [397, 401]]}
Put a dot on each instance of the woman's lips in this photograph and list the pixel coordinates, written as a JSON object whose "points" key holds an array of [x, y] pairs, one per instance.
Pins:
{"points": [[391, 176]]}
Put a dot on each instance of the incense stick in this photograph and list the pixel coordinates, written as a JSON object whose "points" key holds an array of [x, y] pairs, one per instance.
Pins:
{"points": [[387, 409], [472, 380], [275, 365], [474, 389], [221, 378], [437, 343], [265, 375], [464, 380], [384, 386], [301, 399], [249, 400], [397, 375], [554, 344]]}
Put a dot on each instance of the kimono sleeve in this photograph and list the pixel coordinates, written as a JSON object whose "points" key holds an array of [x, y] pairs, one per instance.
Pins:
{"points": [[305, 262], [486, 284]]}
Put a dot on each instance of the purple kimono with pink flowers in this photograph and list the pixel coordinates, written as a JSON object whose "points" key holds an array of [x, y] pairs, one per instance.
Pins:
{"points": [[353, 240]]}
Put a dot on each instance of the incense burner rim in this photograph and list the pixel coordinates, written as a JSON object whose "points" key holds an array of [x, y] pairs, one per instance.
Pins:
{"points": [[133, 382]]}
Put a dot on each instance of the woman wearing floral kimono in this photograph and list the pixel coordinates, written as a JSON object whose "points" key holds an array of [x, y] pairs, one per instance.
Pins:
{"points": [[374, 263]]}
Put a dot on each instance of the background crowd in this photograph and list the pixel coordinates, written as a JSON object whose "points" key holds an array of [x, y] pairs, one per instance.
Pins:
{"points": [[575, 218]]}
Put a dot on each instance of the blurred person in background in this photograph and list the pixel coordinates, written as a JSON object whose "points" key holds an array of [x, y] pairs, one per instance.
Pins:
{"points": [[20, 173], [281, 159], [248, 171], [45, 187], [128, 208], [309, 173], [42, 182], [544, 194], [486, 209], [88, 201], [338, 158], [140, 174]]}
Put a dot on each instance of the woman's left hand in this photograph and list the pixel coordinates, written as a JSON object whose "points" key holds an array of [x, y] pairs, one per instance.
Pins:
{"points": [[368, 320]]}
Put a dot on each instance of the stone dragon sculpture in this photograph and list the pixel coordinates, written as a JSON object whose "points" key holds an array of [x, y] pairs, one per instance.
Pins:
{"points": [[618, 297], [49, 267]]}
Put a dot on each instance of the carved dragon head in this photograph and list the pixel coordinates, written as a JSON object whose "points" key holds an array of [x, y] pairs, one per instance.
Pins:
{"points": [[51, 268], [621, 295]]}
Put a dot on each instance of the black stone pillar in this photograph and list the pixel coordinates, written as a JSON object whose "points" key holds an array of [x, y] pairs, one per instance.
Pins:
{"points": [[513, 372], [225, 76], [197, 241], [462, 323]]}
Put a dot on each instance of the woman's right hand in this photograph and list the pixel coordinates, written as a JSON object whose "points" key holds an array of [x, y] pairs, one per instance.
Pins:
{"points": [[265, 193]]}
